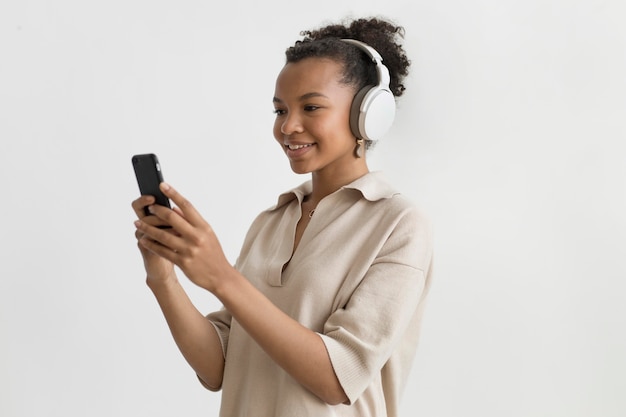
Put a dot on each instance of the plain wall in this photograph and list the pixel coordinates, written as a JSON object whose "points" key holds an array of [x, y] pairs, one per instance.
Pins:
{"points": [[510, 135]]}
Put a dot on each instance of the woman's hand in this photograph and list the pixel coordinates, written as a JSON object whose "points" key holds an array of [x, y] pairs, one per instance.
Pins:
{"points": [[190, 243], [158, 269]]}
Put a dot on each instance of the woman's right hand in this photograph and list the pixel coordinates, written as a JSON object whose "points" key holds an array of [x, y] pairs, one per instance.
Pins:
{"points": [[196, 337], [158, 269]]}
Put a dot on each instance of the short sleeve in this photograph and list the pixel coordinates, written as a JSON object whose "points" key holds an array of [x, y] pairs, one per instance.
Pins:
{"points": [[221, 320], [362, 336]]}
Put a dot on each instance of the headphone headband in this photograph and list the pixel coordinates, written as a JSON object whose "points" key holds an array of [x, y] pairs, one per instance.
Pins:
{"points": [[383, 72]]}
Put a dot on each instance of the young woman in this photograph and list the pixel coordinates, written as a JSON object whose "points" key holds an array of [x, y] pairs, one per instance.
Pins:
{"points": [[322, 310]]}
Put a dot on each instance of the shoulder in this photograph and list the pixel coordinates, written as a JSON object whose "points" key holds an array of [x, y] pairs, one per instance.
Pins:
{"points": [[387, 200], [408, 228]]}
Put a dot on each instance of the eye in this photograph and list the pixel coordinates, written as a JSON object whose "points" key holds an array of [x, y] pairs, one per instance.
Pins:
{"points": [[279, 112], [311, 107]]}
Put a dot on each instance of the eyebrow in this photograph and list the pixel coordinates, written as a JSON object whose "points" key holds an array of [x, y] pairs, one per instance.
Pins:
{"points": [[302, 97]]}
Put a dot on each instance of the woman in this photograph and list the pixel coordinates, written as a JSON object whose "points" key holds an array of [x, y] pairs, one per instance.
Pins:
{"points": [[323, 306]]}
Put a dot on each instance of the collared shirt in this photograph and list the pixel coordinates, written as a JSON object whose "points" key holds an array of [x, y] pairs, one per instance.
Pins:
{"points": [[358, 278]]}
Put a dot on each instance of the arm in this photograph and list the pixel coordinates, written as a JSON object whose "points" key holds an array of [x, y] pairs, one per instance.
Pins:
{"points": [[298, 350], [195, 336], [195, 249]]}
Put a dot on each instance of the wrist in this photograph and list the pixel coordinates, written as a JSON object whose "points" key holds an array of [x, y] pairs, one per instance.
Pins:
{"points": [[158, 285], [229, 284]]}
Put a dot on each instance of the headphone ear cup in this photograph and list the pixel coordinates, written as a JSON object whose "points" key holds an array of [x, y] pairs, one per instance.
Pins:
{"points": [[355, 112], [372, 112], [379, 113]]}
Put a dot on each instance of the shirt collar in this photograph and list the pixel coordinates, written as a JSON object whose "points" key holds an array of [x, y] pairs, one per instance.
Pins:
{"points": [[372, 186]]}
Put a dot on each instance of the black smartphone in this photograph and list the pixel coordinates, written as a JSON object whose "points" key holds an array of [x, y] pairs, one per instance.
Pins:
{"points": [[149, 176]]}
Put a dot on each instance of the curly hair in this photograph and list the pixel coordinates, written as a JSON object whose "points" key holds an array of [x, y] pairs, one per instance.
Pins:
{"points": [[382, 35]]}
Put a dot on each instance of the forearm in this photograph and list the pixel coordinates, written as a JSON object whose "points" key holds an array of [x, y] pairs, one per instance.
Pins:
{"points": [[194, 335], [295, 348]]}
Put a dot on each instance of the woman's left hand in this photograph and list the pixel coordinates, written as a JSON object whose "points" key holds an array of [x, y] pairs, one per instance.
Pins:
{"points": [[192, 244]]}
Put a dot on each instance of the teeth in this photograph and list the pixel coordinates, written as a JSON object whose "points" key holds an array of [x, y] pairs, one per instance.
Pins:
{"points": [[296, 147]]}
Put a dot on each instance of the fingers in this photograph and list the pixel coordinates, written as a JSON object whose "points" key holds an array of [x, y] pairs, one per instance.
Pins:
{"points": [[140, 203], [157, 221], [185, 225], [153, 221], [166, 218], [178, 211], [163, 242], [151, 246], [184, 206]]}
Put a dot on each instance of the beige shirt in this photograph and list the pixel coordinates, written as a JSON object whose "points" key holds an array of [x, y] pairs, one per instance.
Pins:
{"points": [[358, 278]]}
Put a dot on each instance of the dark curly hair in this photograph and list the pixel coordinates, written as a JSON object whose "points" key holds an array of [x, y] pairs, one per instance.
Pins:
{"points": [[382, 35]]}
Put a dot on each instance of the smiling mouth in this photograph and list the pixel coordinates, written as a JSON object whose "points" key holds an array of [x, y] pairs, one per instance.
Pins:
{"points": [[296, 147]]}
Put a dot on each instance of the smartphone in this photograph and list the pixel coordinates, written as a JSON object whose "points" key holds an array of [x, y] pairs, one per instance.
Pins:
{"points": [[149, 176]]}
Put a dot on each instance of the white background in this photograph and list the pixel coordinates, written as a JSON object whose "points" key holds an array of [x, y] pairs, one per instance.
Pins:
{"points": [[510, 136]]}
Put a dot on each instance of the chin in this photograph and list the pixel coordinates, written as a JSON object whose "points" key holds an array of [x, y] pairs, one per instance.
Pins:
{"points": [[299, 169]]}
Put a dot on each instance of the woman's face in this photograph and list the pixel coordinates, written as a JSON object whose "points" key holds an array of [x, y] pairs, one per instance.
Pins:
{"points": [[312, 116]]}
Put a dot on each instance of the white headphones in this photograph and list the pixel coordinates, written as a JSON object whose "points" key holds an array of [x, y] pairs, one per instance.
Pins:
{"points": [[374, 107]]}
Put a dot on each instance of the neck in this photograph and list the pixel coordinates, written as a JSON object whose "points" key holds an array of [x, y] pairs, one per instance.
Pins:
{"points": [[325, 183]]}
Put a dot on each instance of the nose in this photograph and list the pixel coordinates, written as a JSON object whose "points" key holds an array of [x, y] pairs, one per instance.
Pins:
{"points": [[291, 124]]}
